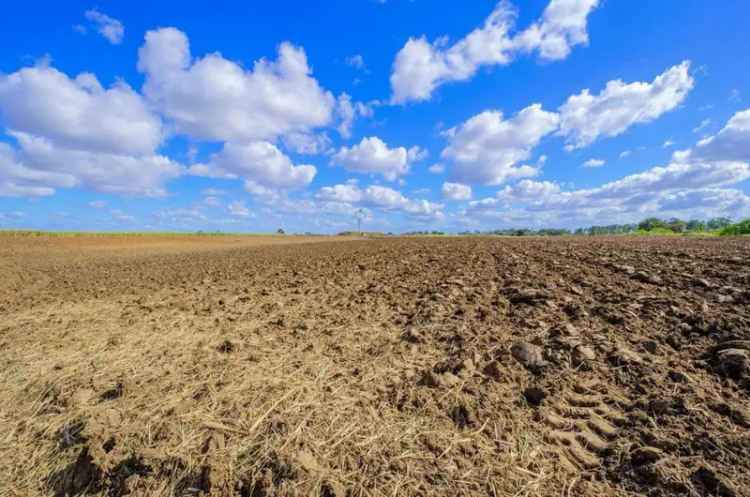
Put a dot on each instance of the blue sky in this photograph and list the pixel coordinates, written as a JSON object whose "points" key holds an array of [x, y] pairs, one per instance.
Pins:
{"points": [[416, 114]]}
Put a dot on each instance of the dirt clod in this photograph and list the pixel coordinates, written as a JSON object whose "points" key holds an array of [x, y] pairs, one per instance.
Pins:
{"points": [[530, 355], [583, 354], [734, 363], [709, 482], [645, 455], [534, 396]]}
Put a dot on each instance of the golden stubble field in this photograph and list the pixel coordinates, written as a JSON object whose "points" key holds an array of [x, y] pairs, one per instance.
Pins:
{"points": [[279, 366]]}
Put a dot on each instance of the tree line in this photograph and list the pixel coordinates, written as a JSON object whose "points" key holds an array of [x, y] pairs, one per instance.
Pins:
{"points": [[651, 225]]}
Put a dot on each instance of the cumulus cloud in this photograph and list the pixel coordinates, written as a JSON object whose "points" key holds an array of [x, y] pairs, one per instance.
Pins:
{"points": [[214, 98], [73, 132], [348, 111], [379, 197], [259, 162], [456, 191], [528, 190], [108, 27], [78, 113], [697, 183], [487, 149], [731, 143], [18, 180], [586, 117], [421, 67], [656, 191], [307, 143], [142, 175], [372, 155], [597, 162], [563, 26]]}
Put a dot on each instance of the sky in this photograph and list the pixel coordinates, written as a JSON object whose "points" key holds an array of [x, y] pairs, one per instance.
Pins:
{"points": [[405, 114]]}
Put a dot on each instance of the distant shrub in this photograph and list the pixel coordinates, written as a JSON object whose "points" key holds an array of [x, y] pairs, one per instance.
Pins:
{"points": [[660, 231], [741, 228]]}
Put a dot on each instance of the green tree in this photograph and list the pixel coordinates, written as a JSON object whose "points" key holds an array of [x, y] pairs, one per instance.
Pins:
{"points": [[718, 223], [677, 225], [741, 228], [696, 225], [651, 223]]}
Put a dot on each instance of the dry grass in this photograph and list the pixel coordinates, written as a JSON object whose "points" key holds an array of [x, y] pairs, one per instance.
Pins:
{"points": [[212, 407]]}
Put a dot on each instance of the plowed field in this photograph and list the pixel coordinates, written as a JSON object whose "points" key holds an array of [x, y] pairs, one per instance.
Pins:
{"points": [[402, 366]]}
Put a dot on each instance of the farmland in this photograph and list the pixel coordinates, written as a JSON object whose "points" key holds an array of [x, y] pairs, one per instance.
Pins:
{"points": [[278, 366]]}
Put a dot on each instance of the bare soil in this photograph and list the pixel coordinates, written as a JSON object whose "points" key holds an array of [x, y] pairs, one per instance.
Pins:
{"points": [[280, 366]]}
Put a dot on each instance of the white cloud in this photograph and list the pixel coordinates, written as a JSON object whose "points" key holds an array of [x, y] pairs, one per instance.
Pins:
{"points": [[73, 132], [436, 168], [731, 143], [109, 28], [239, 209], [307, 143], [180, 216], [259, 162], [356, 61], [595, 162], [98, 204], [348, 193], [586, 117], [625, 154], [657, 191], [372, 155], [18, 180], [456, 191], [214, 98], [703, 125], [696, 184], [121, 217], [379, 197], [528, 190], [487, 148], [143, 175], [562, 27], [348, 111], [668, 144], [78, 113], [421, 67]]}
